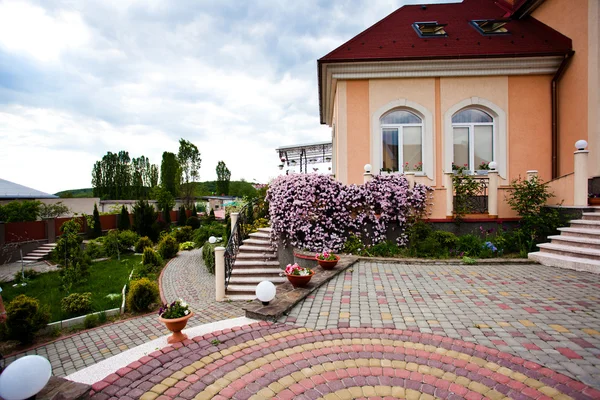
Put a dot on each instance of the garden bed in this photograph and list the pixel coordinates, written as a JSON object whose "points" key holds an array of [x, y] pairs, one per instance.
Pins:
{"points": [[106, 277]]}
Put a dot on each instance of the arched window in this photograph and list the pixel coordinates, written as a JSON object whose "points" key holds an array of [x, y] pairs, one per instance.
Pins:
{"points": [[402, 141], [473, 139]]}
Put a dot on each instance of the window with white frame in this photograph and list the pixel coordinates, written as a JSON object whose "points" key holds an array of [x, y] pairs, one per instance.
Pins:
{"points": [[402, 141], [473, 132]]}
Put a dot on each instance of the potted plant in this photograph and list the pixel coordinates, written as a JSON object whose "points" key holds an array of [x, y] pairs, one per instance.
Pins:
{"points": [[297, 275], [594, 199], [327, 260], [175, 317]]}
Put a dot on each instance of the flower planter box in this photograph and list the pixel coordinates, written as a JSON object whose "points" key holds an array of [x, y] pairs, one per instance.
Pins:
{"points": [[176, 325]]}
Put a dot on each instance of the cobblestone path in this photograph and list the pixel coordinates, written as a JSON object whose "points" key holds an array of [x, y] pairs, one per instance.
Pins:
{"points": [[543, 314]]}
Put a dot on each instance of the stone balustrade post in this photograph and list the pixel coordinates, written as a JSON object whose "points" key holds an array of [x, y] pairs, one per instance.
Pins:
{"points": [[220, 273], [580, 195], [410, 177], [234, 217], [449, 195], [493, 194]]}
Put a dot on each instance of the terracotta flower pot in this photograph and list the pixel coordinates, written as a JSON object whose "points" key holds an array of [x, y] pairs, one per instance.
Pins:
{"points": [[594, 201], [327, 265], [300, 280], [176, 325]]}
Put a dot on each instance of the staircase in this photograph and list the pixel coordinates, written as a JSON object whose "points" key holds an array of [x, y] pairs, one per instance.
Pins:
{"points": [[255, 262], [577, 247], [39, 254]]}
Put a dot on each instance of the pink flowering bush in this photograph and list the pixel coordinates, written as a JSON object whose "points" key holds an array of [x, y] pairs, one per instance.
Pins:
{"points": [[312, 211], [295, 269]]}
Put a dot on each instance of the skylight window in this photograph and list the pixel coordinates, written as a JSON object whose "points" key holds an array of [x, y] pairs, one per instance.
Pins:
{"points": [[490, 26], [430, 29]]}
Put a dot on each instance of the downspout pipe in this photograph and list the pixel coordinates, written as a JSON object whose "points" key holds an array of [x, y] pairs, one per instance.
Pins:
{"points": [[554, 88]]}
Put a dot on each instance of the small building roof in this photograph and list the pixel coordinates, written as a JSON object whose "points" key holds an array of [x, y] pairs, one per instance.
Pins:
{"points": [[10, 190], [218, 197]]}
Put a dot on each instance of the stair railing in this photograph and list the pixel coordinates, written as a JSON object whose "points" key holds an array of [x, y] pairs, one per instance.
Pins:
{"points": [[238, 234]]}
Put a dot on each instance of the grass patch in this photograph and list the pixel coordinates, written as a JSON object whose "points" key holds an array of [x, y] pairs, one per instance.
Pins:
{"points": [[105, 278]]}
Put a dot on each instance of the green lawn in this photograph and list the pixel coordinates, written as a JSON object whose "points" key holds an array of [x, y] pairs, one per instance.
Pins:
{"points": [[105, 277]]}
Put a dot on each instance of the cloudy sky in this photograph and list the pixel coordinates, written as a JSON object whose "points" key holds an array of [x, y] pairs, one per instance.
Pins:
{"points": [[79, 78]]}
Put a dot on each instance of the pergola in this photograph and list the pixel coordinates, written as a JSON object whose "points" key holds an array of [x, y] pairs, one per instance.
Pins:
{"points": [[304, 154]]}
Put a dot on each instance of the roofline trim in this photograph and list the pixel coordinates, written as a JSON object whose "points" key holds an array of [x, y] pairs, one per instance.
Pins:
{"points": [[329, 73]]}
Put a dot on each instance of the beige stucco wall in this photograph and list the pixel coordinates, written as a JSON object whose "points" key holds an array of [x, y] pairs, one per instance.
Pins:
{"points": [[358, 135], [570, 17]]}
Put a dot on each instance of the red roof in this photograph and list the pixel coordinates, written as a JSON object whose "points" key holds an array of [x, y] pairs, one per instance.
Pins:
{"points": [[394, 38]]}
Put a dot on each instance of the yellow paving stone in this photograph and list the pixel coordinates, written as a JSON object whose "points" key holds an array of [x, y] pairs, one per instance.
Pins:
{"points": [[479, 361], [449, 376], [328, 366], [104, 350], [213, 389], [277, 335], [399, 364], [494, 395], [466, 291], [347, 287], [206, 360], [526, 322], [483, 291], [478, 387], [242, 369], [412, 394], [482, 326], [504, 293], [287, 381], [462, 381], [225, 352], [232, 376], [377, 287], [452, 353], [259, 397], [179, 375], [222, 382], [198, 364], [271, 357], [409, 345], [519, 377], [438, 373], [288, 352], [424, 369], [339, 365], [344, 394], [433, 322], [361, 362], [412, 366], [234, 349], [318, 369], [204, 396], [409, 319], [463, 356], [252, 365], [504, 324], [505, 371], [368, 391], [533, 383], [548, 391], [492, 366], [263, 361], [297, 376], [419, 346], [425, 396], [386, 316], [152, 337], [525, 295], [559, 328], [398, 392], [441, 350], [356, 392], [383, 391], [449, 291], [266, 392], [324, 313], [344, 315], [591, 332], [386, 363], [160, 388], [123, 347], [189, 370], [149, 396], [276, 387], [562, 396], [350, 363]]}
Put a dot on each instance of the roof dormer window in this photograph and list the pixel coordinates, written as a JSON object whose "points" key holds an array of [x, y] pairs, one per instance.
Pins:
{"points": [[430, 29], [490, 26]]}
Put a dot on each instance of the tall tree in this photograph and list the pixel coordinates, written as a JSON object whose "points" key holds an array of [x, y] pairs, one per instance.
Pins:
{"points": [[189, 162], [223, 177], [153, 176], [117, 177], [170, 173]]}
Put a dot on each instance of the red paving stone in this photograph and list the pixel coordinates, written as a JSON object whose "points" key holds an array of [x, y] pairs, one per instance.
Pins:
{"points": [[297, 363]]}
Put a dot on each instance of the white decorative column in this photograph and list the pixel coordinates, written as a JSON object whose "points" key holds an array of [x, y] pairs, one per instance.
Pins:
{"points": [[367, 176], [220, 273], [580, 187], [531, 174], [234, 217], [493, 194], [410, 177], [449, 195]]}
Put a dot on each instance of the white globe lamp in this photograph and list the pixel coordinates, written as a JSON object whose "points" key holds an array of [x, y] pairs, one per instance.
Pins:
{"points": [[493, 165], [212, 240], [265, 292], [581, 144], [368, 168], [25, 378]]}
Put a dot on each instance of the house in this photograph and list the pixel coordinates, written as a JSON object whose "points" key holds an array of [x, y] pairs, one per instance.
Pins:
{"points": [[510, 81]]}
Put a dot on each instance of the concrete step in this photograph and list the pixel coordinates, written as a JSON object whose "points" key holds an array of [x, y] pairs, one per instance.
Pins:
{"points": [[580, 232], [257, 242], [255, 249], [240, 297], [41, 252], [591, 243], [266, 230], [253, 263], [241, 289], [570, 251], [591, 216], [585, 224], [52, 245], [33, 258], [256, 271], [562, 261], [255, 280], [256, 256], [262, 235]]}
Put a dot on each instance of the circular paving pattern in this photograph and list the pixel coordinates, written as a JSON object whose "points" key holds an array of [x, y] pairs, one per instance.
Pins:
{"points": [[265, 360]]}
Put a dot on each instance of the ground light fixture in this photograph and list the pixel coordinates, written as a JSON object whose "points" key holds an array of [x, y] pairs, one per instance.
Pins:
{"points": [[25, 378], [265, 292], [368, 168], [212, 240], [581, 144], [493, 165]]}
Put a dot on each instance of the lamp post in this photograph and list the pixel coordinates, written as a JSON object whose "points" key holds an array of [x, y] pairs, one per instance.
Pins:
{"points": [[367, 176], [580, 195]]}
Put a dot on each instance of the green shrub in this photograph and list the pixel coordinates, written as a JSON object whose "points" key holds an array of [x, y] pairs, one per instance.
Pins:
{"points": [[182, 217], [353, 245], [142, 243], [194, 222], [27, 275], [430, 247], [102, 317], [96, 230], [144, 220], [185, 246], [91, 321], [127, 239], [112, 247], [25, 318], [419, 231], [470, 245], [447, 240], [167, 247], [76, 303], [141, 295], [182, 234], [384, 249], [94, 249], [201, 235], [150, 257], [124, 222], [208, 255]]}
